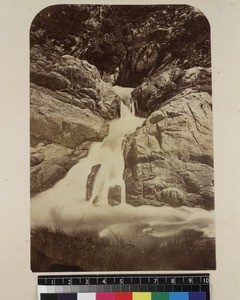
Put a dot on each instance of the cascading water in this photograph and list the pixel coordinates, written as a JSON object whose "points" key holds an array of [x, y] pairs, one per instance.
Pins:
{"points": [[65, 204], [111, 157]]}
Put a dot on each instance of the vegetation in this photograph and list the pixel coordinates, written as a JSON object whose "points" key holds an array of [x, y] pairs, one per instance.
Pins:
{"points": [[85, 251], [109, 36]]}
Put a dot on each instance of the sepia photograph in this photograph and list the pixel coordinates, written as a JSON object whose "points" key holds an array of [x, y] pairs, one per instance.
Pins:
{"points": [[121, 139]]}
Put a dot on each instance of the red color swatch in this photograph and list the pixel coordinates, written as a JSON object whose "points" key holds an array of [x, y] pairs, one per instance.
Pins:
{"points": [[123, 296]]}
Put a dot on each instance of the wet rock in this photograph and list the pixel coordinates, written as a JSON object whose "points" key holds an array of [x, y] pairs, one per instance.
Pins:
{"points": [[36, 154], [55, 165], [196, 77], [56, 162], [171, 196], [82, 150], [169, 159], [144, 148], [145, 57], [90, 181], [67, 100], [76, 80], [111, 78], [114, 195], [109, 101], [51, 80], [79, 72], [61, 72], [36, 159], [57, 122], [64, 132], [163, 85]]}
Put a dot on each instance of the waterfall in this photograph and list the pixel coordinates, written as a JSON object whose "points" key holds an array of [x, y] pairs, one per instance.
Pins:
{"points": [[125, 111], [64, 205], [127, 104], [111, 171]]}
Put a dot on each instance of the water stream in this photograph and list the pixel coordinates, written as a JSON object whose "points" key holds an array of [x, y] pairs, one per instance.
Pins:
{"points": [[64, 206]]}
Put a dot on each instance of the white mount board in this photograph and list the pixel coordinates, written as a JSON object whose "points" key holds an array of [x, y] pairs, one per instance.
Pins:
{"points": [[17, 280]]}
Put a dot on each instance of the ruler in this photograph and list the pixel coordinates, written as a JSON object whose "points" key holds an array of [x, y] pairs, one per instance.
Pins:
{"points": [[125, 286]]}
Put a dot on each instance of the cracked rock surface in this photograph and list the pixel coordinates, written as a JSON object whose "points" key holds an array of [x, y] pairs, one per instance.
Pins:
{"points": [[169, 160], [60, 135]]}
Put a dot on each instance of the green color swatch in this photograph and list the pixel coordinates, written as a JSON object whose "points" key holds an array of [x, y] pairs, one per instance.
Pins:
{"points": [[160, 296]]}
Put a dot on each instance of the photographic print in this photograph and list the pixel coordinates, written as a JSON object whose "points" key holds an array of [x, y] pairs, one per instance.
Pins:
{"points": [[121, 139]]}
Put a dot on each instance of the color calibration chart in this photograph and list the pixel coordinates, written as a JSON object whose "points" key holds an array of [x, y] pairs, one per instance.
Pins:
{"points": [[125, 287]]}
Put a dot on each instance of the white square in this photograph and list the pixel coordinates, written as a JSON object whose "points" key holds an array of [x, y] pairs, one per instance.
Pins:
{"points": [[86, 296]]}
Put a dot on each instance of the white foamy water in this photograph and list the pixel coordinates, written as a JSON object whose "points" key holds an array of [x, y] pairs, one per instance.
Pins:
{"points": [[65, 207]]}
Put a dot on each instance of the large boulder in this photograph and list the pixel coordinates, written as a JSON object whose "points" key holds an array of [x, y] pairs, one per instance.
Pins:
{"points": [[68, 106], [75, 78], [50, 163], [60, 135], [169, 160], [55, 121], [114, 195], [91, 180], [167, 82], [61, 72]]}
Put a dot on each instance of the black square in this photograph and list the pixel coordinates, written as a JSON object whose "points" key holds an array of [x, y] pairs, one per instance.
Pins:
{"points": [[49, 296]]}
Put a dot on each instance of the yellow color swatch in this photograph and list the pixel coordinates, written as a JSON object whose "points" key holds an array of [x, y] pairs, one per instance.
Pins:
{"points": [[141, 296]]}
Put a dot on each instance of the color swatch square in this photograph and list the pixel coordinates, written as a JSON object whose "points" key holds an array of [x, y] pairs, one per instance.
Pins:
{"points": [[160, 296], [86, 296], [123, 296], [67, 296], [105, 296], [178, 296], [141, 296], [197, 296], [49, 296]]}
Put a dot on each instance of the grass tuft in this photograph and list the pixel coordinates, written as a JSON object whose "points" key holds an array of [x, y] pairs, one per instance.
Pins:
{"points": [[85, 251]]}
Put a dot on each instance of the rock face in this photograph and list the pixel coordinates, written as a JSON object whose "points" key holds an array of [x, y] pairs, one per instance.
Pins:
{"points": [[167, 82], [90, 181], [75, 79], [51, 167], [114, 195], [51, 162], [169, 160], [61, 123], [69, 106], [60, 136]]}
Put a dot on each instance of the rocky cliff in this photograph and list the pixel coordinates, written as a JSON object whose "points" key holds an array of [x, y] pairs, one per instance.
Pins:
{"points": [[169, 160], [69, 107], [79, 51]]}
